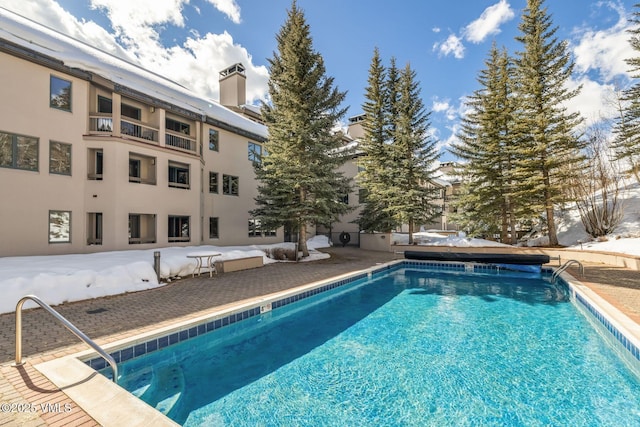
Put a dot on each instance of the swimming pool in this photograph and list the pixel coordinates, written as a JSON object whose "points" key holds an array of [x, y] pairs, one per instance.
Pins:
{"points": [[410, 345]]}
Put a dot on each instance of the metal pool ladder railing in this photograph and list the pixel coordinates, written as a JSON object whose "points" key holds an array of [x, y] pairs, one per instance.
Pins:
{"points": [[77, 332], [566, 265]]}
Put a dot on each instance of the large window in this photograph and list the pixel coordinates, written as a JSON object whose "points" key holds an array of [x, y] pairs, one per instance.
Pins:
{"points": [[214, 140], [130, 111], [255, 152], [142, 228], [177, 126], [214, 232], [59, 226], [213, 182], [59, 158], [18, 152], [60, 94], [105, 105], [94, 165], [230, 185], [178, 228], [94, 228], [178, 175]]}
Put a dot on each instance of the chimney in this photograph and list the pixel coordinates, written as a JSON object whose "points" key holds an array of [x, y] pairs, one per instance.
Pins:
{"points": [[233, 85], [355, 129]]}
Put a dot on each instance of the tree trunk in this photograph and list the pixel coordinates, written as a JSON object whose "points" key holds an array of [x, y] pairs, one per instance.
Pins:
{"points": [[548, 203], [302, 229], [302, 240], [411, 231]]}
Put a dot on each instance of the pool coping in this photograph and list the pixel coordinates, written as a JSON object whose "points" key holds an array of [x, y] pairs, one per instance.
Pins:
{"points": [[111, 405]]}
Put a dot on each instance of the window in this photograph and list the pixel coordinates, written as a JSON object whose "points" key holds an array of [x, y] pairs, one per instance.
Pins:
{"points": [[59, 226], [345, 199], [213, 140], [213, 228], [255, 152], [178, 175], [134, 170], [94, 165], [230, 185], [94, 228], [59, 158], [130, 111], [142, 169], [255, 229], [362, 195], [18, 152], [178, 228], [142, 228], [60, 94], [105, 105], [213, 182], [177, 126]]}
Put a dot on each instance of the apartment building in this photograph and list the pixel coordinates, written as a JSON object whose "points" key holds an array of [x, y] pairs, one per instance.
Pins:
{"points": [[98, 154], [447, 186]]}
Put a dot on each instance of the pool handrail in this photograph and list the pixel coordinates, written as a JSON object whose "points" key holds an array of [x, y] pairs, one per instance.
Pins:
{"points": [[566, 265], [77, 332]]}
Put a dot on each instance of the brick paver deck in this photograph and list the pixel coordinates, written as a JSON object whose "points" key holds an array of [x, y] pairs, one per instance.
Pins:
{"points": [[112, 318]]}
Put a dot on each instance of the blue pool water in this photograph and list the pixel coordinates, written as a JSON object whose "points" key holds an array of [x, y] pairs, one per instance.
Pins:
{"points": [[409, 347]]}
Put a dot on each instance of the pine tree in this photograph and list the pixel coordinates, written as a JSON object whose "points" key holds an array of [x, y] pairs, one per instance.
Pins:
{"points": [[627, 127], [488, 204], [299, 182], [373, 177], [548, 145], [412, 156]]}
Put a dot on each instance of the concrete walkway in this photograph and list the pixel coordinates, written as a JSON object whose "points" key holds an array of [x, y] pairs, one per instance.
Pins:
{"points": [[112, 318]]}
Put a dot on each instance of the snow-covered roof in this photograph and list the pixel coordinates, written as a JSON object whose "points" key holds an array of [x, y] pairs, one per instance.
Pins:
{"points": [[79, 55]]}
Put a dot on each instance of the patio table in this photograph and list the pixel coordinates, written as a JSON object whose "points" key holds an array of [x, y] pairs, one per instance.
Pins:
{"points": [[204, 259]]}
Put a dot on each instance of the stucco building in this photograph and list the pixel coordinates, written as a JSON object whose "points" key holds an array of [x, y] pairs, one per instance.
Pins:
{"points": [[98, 154]]}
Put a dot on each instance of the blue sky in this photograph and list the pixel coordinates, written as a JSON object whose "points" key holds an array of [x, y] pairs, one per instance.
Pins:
{"points": [[446, 42]]}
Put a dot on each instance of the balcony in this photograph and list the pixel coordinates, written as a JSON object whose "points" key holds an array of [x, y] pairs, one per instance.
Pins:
{"points": [[182, 142], [104, 125], [138, 131]]}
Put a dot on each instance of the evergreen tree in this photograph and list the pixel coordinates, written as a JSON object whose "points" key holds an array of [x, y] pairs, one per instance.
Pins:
{"points": [[547, 145], [627, 127], [487, 204], [373, 176], [412, 154], [299, 182]]}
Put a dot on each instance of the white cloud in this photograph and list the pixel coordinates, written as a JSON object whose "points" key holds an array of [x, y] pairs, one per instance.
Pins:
{"points": [[452, 46], [591, 101], [194, 64], [489, 22], [229, 8], [436, 29], [50, 14], [605, 50]]}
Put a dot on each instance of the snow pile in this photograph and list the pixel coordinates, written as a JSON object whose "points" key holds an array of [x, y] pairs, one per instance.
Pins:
{"points": [[425, 238], [625, 239], [62, 278]]}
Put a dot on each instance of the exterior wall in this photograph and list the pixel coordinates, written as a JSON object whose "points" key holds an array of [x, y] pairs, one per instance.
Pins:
{"points": [[28, 196], [346, 223], [233, 211]]}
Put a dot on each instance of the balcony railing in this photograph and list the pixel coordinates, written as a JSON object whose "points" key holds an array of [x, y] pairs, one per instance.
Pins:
{"points": [[180, 141], [100, 124], [138, 131], [104, 125]]}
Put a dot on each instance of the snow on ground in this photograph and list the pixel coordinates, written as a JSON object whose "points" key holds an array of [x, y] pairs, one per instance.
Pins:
{"points": [[61, 278]]}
